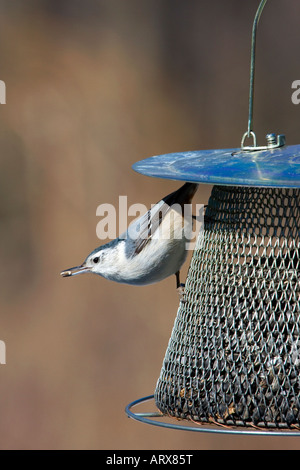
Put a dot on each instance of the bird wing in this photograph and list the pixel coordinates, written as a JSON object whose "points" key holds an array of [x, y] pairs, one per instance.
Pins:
{"points": [[144, 229]]}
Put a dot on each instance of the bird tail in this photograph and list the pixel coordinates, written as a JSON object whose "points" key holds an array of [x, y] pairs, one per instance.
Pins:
{"points": [[183, 195]]}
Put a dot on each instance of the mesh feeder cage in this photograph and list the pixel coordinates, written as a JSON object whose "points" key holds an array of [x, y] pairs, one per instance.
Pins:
{"points": [[233, 357]]}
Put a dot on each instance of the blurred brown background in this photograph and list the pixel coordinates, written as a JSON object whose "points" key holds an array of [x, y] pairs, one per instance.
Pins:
{"points": [[92, 87]]}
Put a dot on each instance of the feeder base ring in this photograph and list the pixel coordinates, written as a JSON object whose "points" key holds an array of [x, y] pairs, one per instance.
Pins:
{"points": [[156, 418]]}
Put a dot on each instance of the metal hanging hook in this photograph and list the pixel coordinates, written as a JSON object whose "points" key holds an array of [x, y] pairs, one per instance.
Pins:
{"points": [[252, 64], [273, 141]]}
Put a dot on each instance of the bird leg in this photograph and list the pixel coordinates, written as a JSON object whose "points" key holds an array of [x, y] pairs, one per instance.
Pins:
{"points": [[179, 287], [194, 217]]}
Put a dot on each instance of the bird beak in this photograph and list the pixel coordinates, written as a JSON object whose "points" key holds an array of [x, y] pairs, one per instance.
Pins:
{"points": [[74, 271]]}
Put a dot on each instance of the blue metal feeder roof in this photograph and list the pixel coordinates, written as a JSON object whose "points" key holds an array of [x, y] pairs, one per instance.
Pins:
{"points": [[276, 168]]}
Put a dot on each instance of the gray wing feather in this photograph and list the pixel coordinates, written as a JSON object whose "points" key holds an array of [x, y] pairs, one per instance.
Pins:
{"points": [[142, 231]]}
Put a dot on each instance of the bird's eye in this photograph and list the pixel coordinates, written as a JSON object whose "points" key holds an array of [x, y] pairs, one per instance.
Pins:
{"points": [[96, 260]]}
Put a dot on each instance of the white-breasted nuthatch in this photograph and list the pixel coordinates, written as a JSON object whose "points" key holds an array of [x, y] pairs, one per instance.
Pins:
{"points": [[153, 247]]}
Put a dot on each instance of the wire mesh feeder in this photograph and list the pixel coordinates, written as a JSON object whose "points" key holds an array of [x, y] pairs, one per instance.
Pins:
{"points": [[234, 353]]}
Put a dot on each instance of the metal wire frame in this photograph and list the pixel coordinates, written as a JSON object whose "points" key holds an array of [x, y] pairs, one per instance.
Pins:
{"points": [[156, 419]]}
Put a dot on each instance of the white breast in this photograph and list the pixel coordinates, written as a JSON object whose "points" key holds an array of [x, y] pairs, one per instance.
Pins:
{"points": [[161, 257]]}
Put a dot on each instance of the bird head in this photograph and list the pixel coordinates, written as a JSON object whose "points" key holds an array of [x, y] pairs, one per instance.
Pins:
{"points": [[92, 264]]}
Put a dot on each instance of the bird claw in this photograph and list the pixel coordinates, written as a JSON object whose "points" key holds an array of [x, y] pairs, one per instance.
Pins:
{"points": [[180, 291]]}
